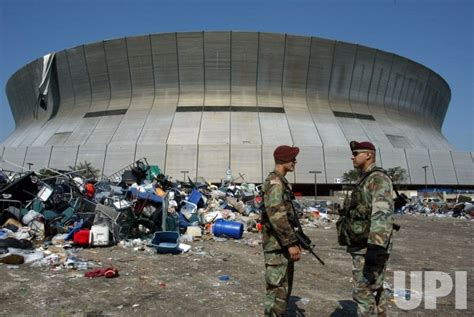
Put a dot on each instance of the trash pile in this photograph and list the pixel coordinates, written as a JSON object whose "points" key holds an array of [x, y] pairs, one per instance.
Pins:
{"points": [[463, 208], [45, 219]]}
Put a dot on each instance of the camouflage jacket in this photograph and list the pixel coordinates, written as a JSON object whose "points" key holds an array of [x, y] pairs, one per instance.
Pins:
{"points": [[277, 231], [374, 197]]}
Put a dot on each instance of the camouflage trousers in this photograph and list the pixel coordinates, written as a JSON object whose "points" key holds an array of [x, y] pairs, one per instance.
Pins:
{"points": [[370, 298], [279, 279]]}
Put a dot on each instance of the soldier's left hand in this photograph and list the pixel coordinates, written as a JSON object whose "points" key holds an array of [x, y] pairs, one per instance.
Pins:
{"points": [[295, 252]]}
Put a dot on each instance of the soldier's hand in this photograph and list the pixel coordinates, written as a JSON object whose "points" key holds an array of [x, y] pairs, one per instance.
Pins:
{"points": [[295, 252]]}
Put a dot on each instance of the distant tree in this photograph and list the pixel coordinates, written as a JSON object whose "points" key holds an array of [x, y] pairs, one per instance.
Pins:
{"points": [[86, 170], [398, 174], [47, 173], [351, 176]]}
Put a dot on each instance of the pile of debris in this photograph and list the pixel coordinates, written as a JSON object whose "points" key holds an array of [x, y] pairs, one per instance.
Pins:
{"points": [[46, 219], [463, 208]]}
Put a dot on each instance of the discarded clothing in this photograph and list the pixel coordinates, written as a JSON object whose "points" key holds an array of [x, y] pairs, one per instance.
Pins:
{"points": [[109, 272]]}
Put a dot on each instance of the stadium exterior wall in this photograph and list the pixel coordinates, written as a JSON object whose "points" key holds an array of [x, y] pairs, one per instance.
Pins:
{"points": [[204, 101]]}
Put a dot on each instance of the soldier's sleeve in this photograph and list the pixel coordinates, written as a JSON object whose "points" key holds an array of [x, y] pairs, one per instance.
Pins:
{"points": [[380, 189], [277, 213]]}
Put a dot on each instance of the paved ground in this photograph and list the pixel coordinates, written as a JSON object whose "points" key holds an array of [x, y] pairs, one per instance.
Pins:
{"points": [[189, 285]]}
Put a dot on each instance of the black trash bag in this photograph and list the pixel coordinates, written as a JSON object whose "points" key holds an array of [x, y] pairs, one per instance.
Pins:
{"points": [[15, 243]]}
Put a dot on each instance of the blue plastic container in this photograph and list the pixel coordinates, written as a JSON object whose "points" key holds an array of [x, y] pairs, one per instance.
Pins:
{"points": [[195, 196], [166, 242], [230, 229]]}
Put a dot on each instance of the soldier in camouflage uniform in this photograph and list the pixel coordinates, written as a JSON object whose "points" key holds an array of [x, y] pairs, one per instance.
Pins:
{"points": [[280, 246], [370, 213]]}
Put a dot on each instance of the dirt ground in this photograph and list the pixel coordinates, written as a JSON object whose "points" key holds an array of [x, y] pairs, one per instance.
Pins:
{"points": [[188, 284]]}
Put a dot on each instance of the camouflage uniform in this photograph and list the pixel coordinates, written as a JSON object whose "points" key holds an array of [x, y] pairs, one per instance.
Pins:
{"points": [[278, 234], [375, 197]]}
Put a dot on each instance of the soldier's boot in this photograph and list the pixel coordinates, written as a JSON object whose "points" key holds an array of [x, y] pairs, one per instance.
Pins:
{"points": [[381, 311], [381, 302], [272, 314], [275, 301], [361, 312]]}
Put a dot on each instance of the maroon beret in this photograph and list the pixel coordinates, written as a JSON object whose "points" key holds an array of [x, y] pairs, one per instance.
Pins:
{"points": [[366, 145], [285, 153]]}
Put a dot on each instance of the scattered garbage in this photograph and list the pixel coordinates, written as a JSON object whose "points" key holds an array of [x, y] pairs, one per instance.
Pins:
{"points": [[399, 293], [224, 278], [463, 208], [304, 301], [184, 247]]}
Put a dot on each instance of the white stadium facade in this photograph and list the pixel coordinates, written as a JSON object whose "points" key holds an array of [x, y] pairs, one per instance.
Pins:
{"points": [[206, 101]]}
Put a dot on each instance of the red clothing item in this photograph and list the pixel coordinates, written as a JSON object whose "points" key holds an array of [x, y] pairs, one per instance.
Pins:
{"points": [[90, 190], [109, 272]]}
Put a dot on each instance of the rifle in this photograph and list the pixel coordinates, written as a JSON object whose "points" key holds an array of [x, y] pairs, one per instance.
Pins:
{"points": [[305, 243], [303, 240]]}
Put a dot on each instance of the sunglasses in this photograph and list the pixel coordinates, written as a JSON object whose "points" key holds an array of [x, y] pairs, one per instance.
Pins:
{"points": [[355, 153]]}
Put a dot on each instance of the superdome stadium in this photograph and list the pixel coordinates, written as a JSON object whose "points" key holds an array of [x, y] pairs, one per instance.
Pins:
{"points": [[204, 102]]}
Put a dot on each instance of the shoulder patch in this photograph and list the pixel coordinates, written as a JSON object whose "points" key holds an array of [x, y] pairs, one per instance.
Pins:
{"points": [[382, 175], [275, 181]]}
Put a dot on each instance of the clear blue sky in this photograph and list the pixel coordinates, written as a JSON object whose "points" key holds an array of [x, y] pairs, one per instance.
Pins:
{"points": [[436, 33]]}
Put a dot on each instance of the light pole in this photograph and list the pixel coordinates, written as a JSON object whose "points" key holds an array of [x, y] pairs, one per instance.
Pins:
{"points": [[315, 183], [30, 165], [426, 180], [184, 175]]}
